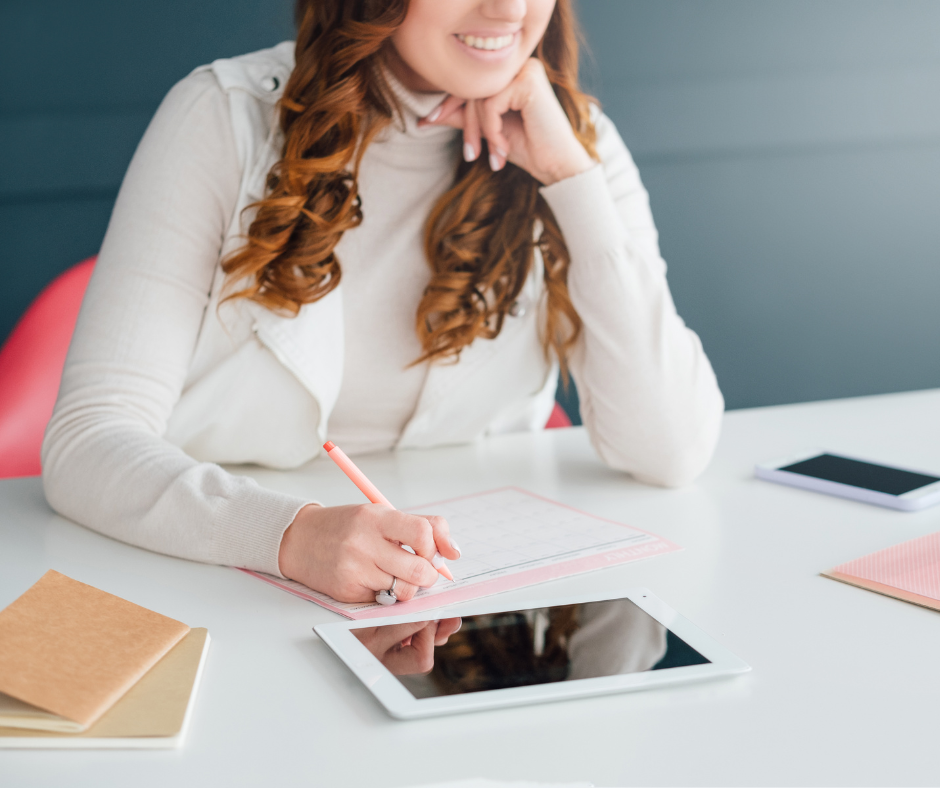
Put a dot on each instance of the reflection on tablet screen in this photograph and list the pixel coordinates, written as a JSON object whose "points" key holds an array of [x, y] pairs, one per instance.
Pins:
{"points": [[496, 651]]}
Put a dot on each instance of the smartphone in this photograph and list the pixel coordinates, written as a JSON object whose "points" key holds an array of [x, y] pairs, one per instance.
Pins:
{"points": [[849, 477]]}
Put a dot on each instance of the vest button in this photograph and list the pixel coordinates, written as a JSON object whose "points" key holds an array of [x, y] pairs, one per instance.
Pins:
{"points": [[517, 309], [270, 83]]}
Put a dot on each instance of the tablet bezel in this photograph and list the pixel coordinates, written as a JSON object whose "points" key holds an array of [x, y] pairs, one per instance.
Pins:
{"points": [[400, 703]]}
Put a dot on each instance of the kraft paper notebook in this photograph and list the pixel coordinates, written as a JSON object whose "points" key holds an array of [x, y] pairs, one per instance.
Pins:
{"points": [[154, 714], [908, 571], [69, 651], [509, 538]]}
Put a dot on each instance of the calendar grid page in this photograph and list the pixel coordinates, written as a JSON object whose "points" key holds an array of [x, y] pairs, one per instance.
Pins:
{"points": [[509, 538]]}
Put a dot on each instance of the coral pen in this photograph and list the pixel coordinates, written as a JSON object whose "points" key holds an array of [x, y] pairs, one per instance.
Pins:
{"points": [[371, 492]]}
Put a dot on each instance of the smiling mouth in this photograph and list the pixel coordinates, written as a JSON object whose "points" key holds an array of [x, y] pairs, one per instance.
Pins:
{"points": [[488, 43]]}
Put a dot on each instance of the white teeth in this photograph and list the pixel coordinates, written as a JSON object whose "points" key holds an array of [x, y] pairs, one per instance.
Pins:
{"points": [[478, 42]]}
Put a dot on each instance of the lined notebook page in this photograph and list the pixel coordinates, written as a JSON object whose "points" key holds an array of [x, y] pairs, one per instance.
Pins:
{"points": [[509, 538]]}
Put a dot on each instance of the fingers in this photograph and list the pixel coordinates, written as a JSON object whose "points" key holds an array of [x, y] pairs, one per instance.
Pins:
{"points": [[409, 529], [352, 552], [408, 648], [415, 657], [380, 639], [484, 119], [429, 538], [491, 114], [472, 142], [406, 591], [412, 571], [477, 122], [422, 648], [445, 628], [523, 123], [418, 566], [445, 113], [425, 534], [440, 530]]}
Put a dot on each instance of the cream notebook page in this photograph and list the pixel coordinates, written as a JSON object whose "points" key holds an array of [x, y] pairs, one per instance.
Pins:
{"points": [[509, 538]]}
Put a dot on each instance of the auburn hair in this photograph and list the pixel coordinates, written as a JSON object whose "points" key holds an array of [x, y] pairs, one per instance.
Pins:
{"points": [[479, 237]]}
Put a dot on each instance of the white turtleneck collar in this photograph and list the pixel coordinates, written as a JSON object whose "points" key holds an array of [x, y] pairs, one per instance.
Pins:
{"points": [[416, 104], [432, 144]]}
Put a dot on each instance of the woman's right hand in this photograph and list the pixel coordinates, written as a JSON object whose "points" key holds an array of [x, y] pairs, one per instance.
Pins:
{"points": [[407, 649], [351, 552]]}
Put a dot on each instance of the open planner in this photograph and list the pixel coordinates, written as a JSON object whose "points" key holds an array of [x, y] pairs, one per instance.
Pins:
{"points": [[509, 538]]}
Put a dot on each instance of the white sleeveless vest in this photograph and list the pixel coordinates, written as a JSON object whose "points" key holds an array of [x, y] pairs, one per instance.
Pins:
{"points": [[261, 387]]}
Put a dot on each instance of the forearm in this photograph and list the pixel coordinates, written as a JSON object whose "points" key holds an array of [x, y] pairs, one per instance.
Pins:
{"points": [[107, 472], [105, 461], [649, 397]]}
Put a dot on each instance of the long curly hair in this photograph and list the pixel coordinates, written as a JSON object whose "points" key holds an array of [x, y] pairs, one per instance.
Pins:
{"points": [[479, 237]]}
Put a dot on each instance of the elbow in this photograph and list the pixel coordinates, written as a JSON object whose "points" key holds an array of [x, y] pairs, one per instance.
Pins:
{"points": [[685, 456], [52, 477], [53, 490], [673, 452], [65, 473], [674, 469]]}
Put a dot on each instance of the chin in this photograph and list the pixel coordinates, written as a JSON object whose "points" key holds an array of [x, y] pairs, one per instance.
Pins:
{"points": [[480, 87]]}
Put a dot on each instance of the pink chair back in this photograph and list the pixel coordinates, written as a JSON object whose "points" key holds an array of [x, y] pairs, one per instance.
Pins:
{"points": [[31, 364], [558, 418]]}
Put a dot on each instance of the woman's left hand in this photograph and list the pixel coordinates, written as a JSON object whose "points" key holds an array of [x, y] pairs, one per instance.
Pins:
{"points": [[523, 124]]}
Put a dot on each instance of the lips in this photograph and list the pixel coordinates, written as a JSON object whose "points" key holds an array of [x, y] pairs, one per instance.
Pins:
{"points": [[488, 43]]}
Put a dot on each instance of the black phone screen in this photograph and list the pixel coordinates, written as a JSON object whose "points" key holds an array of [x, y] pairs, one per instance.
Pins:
{"points": [[856, 473]]}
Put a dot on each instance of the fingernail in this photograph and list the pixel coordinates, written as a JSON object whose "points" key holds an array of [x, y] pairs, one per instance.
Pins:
{"points": [[469, 154], [495, 164], [501, 152], [435, 114], [438, 561], [459, 625], [455, 546]]}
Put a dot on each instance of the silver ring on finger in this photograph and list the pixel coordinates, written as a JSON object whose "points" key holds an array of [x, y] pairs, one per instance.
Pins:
{"points": [[387, 596]]}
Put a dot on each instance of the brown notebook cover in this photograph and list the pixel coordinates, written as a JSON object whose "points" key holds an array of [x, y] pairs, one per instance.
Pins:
{"points": [[152, 714], [73, 650]]}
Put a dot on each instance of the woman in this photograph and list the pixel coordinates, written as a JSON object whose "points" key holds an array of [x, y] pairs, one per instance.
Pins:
{"points": [[389, 235]]}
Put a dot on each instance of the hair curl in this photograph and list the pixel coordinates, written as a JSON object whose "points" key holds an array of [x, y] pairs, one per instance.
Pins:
{"points": [[479, 237]]}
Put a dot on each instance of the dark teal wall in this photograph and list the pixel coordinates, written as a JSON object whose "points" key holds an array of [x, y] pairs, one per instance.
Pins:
{"points": [[80, 82], [791, 149], [792, 153]]}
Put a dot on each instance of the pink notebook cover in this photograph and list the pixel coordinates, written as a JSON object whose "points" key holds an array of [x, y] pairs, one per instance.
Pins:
{"points": [[908, 571], [640, 544]]}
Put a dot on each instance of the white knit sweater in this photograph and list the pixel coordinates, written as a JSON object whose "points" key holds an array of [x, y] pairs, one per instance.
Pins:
{"points": [[162, 382]]}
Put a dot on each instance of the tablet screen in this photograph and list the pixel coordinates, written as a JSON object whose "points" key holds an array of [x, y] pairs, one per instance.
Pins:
{"points": [[520, 648]]}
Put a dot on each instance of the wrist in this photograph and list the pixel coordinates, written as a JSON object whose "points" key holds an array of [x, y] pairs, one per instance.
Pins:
{"points": [[587, 215], [290, 551], [573, 165]]}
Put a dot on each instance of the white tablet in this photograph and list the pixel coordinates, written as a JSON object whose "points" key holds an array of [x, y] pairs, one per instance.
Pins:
{"points": [[482, 656]]}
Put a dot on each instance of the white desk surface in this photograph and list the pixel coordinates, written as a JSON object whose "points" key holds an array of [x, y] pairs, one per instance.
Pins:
{"points": [[845, 687]]}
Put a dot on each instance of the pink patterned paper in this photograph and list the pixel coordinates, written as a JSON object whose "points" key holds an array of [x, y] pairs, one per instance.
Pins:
{"points": [[912, 566]]}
